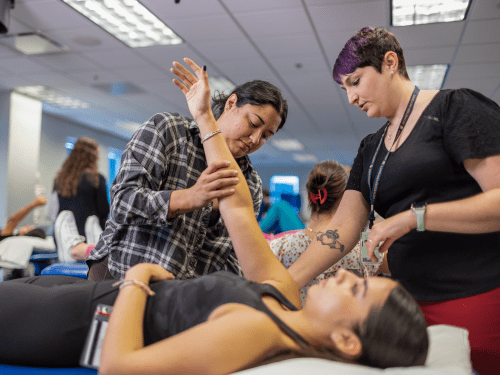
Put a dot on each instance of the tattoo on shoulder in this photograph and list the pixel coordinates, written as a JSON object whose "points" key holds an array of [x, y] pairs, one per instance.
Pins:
{"points": [[330, 238]]}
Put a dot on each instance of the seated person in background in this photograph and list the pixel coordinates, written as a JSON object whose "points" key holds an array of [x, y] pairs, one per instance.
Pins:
{"points": [[71, 245], [18, 216], [218, 323], [80, 187], [281, 217], [164, 200], [325, 188]]}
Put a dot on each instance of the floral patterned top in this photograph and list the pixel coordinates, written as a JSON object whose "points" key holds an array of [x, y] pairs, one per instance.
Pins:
{"points": [[289, 247]]}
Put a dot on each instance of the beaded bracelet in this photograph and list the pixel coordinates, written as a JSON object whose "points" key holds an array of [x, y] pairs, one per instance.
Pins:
{"points": [[208, 136], [140, 284]]}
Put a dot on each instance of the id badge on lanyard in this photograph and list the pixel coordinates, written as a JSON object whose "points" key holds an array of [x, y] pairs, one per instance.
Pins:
{"points": [[364, 250]]}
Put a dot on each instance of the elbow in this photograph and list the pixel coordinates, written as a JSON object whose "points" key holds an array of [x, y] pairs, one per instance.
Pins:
{"points": [[110, 366]]}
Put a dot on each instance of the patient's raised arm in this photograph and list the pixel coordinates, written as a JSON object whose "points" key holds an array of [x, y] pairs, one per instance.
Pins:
{"points": [[256, 258]]}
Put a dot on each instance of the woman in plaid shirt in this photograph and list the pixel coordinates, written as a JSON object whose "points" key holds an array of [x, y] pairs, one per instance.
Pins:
{"points": [[164, 200]]}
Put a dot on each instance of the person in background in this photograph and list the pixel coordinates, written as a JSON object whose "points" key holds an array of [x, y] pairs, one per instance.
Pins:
{"points": [[164, 200], [429, 172], [71, 246], [81, 189], [26, 230], [266, 203], [325, 188], [281, 217]]}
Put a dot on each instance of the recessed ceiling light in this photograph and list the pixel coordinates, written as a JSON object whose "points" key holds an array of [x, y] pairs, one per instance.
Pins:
{"points": [[428, 77], [127, 20], [32, 43], [287, 144], [305, 158], [416, 12], [52, 96]]}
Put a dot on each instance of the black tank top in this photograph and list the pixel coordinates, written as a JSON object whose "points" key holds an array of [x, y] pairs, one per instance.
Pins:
{"points": [[182, 304]]}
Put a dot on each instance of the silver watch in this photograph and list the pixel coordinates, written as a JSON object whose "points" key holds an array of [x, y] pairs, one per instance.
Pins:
{"points": [[419, 209]]}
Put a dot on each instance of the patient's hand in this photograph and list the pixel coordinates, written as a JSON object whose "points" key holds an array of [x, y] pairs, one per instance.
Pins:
{"points": [[40, 201], [147, 272]]}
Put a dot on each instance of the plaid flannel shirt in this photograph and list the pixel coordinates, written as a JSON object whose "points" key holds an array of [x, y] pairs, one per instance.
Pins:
{"points": [[166, 154]]}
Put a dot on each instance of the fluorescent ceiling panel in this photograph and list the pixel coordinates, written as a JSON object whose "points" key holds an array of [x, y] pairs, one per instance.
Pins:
{"points": [[128, 21], [427, 77], [416, 12], [52, 96]]}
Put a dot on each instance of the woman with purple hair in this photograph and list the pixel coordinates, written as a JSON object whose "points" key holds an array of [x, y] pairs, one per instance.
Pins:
{"points": [[432, 171]]}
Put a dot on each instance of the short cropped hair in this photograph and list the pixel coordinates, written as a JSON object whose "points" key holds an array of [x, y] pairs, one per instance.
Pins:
{"points": [[368, 48]]}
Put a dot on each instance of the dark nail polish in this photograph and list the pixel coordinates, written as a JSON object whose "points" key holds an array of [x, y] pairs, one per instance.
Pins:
{"points": [[205, 68]]}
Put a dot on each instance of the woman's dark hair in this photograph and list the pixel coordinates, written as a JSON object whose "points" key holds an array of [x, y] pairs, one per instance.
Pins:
{"points": [[258, 93], [367, 48], [329, 175], [393, 335], [37, 232], [82, 159]]}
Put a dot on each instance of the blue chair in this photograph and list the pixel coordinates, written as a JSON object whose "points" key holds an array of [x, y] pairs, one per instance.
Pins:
{"points": [[42, 260], [75, 269], [21, 370]]}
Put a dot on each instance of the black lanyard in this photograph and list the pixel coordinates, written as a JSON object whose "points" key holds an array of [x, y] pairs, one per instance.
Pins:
{"points": [[373, 192]]}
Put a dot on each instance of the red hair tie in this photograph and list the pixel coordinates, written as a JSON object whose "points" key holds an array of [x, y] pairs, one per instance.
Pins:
{"points": [[315, 197]]}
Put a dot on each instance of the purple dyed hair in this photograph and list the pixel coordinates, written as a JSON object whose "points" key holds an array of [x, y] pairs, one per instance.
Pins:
{"points": [[368, 48], [348, 59]]}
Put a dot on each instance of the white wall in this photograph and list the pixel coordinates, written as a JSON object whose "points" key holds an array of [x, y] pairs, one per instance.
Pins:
{"points": [[4, 153], [25, 117]]}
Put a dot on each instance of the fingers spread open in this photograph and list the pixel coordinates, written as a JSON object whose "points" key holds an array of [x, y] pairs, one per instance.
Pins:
{"points": [[183, 88]]}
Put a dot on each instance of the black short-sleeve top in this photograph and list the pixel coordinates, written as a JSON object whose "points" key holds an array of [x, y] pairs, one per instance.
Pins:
{"points": [[428, 167]]}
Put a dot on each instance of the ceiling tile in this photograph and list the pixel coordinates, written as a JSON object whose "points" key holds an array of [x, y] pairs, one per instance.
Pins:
{"points": [[478, 53], [260, 5], [65, 62], [350, 15], [484, 9], [287, 21], [91, 38], [23, 66], [185, 9], [288, 45], [94, 76], [48, 15], [429, 56], [115, 59], [429, 35], [482, 32], [213, 28], [472, 71]]}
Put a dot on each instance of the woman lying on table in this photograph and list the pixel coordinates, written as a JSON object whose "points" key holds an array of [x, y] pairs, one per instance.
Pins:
{"points": [[218, 323]]}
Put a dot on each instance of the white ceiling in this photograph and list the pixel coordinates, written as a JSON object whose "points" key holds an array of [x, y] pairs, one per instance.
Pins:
{"points": [[244, 40]]}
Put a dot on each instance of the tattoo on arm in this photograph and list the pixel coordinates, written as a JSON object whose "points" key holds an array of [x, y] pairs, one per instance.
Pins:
{"points": [[330, 239]]}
